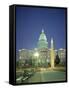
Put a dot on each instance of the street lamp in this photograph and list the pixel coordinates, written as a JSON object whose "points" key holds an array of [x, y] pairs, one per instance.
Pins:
{"points": [[36, 54]]}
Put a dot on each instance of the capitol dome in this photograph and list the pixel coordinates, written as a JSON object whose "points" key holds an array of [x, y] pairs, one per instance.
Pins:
{"points": [[42, 36], [42, 43]]}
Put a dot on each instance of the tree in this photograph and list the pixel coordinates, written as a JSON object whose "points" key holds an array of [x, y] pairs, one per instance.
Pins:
{"points": [[57, 59]]}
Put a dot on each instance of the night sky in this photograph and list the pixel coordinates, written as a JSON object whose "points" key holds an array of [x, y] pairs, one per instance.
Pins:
{"points": [[29, 24]]}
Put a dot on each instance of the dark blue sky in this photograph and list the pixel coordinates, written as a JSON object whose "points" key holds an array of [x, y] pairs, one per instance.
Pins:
{"points": [[29, 24]]}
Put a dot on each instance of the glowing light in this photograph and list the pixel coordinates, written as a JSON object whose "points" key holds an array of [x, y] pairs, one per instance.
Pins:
{"points": [[36, 54]]}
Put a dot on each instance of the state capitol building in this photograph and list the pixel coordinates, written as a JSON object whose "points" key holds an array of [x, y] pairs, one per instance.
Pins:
{"points": [[42, 55]]}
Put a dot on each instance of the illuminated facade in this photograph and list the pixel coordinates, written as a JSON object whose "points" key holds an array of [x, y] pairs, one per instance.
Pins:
{"points": [[42, 55], [42, 47], [62, 55], [42, 43]]}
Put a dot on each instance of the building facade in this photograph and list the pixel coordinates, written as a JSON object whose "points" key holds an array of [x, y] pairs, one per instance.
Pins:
{"points": [[42, 55]]}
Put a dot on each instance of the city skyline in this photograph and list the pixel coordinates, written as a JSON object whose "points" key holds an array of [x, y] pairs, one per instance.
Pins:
{"points": [[31, 21]]}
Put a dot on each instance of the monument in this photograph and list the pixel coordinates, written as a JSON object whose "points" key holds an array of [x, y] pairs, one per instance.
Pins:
{"points": [[52, 54]]}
